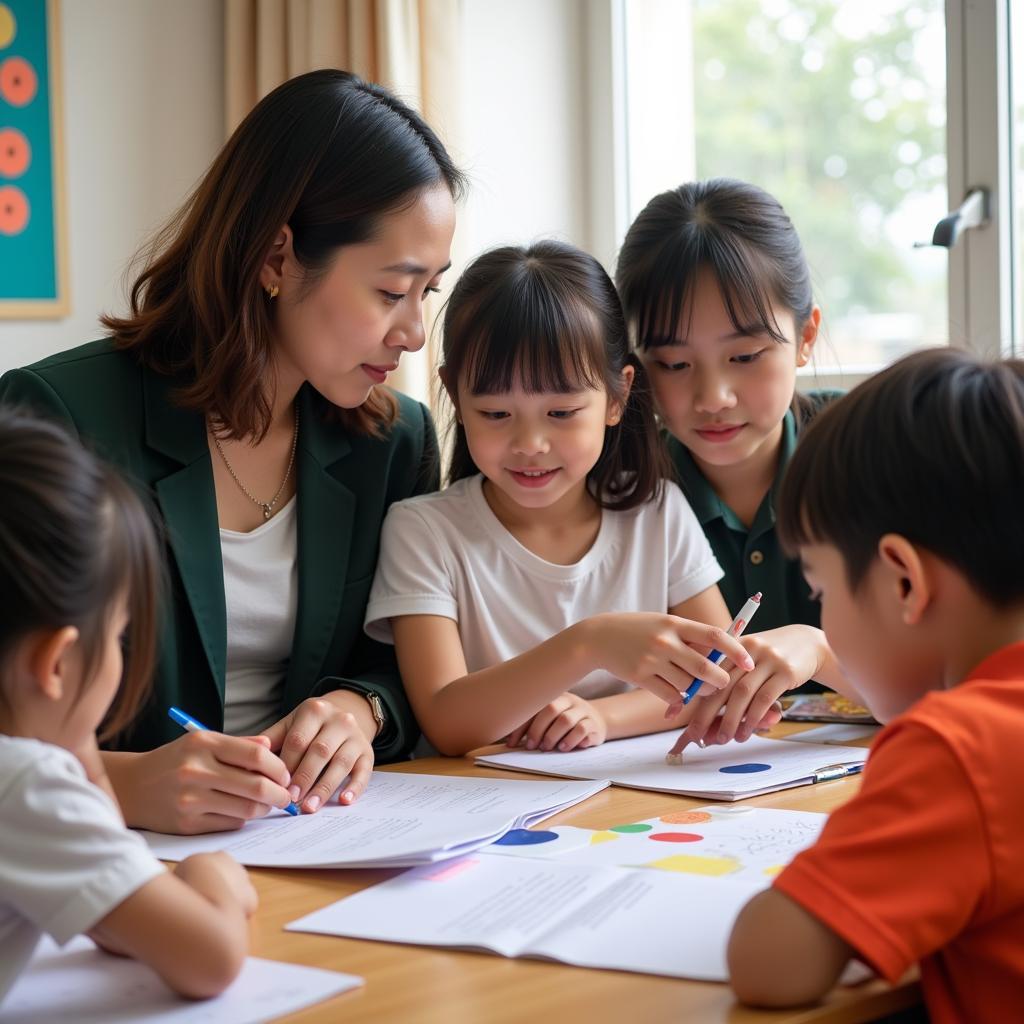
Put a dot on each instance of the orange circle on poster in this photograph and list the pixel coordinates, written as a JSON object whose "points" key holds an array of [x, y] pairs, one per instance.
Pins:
{"points": [[15, 153], [18, 82], [8, 26], [685, 818], [13, 210]]}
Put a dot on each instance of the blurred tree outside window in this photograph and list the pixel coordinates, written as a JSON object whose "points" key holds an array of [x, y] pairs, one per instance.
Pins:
{"points": [[839, 110]]}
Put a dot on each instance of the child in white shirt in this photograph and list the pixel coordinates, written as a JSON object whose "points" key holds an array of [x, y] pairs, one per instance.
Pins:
{"points": [[556, 594], [77, 555]]}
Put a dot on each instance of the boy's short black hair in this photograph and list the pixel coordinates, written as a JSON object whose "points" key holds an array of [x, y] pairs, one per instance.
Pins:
{"points": [[931, 448]]}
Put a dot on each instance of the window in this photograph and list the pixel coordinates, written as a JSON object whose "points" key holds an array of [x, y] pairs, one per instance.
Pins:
{"points": [[869, 121]]}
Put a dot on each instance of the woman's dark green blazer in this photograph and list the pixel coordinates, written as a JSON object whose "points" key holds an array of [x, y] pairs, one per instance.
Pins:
{"points": [[346, 481]]}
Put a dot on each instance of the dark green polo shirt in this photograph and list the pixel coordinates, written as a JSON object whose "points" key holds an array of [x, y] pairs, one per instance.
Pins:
{"points": [[752, 560]]}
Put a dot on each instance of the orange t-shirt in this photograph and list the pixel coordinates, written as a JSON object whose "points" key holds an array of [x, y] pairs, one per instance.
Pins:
{"points": [[926, 863]]}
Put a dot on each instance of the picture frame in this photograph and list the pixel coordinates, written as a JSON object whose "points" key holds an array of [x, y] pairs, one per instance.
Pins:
{"points": [[33, 222]]}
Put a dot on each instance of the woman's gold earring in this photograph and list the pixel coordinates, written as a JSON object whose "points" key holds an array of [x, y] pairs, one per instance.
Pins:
{"points": [[272, 291]]}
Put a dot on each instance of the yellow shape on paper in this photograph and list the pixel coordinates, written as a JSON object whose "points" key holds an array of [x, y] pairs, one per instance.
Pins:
{"points": [[691, 865], [774, 870], [603, 837], [7, 26]]}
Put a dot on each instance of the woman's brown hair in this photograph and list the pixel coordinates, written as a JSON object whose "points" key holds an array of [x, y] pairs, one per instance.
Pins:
{"points": [[325, 153], [74, 538], [548, 317]]}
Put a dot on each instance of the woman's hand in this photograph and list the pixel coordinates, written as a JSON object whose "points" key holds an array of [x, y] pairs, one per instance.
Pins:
{"points": [[568, 723], [323, 742], [654, 651], [786, 658], [200, 782]]}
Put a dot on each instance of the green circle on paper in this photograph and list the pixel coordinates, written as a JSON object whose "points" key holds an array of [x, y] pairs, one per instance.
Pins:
{"points": [[637, 826]]}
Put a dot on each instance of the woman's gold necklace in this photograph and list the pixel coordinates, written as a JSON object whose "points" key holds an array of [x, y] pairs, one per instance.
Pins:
{"points": [[267, 506]]}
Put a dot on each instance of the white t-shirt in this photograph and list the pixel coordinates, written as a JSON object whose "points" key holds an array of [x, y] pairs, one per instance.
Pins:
{"points": [[66, 858], [261, 594], [447, 554]]}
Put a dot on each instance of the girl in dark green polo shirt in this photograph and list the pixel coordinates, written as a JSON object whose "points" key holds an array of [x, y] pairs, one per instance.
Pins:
{"points": [[717, 291]]}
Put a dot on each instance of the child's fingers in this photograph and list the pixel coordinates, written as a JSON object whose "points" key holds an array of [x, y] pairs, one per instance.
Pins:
{"points": [[541, 721], [741, 696], [576, 736], [516, 736], [704, 722], [764, 712], [557, 730], [717, 638], [698, 667]]}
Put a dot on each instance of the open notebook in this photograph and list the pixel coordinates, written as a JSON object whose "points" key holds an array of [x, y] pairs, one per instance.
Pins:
{"points": [[734, 771]]}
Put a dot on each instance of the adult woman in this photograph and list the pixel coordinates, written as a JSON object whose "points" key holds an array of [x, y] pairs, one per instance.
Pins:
{"points": [[243, 390]]}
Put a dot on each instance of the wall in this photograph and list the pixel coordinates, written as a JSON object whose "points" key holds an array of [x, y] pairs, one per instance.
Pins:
{"points": [[143, 103], [523, 122]]}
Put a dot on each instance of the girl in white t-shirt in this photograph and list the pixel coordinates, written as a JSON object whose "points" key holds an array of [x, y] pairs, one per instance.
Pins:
{"points": [[77, 555], [552, 593]]}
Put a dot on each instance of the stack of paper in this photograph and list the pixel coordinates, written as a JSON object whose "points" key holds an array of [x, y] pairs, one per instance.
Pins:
{"points": [[733, 771], [79, 983], [400, 821]]}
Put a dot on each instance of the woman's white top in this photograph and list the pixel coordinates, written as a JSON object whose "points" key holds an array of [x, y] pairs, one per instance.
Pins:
{"points": [[447, 554], [66, 858], [261, 591]]}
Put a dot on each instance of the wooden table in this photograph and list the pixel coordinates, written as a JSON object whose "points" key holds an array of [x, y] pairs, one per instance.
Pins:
{"points": [[424, 985]]}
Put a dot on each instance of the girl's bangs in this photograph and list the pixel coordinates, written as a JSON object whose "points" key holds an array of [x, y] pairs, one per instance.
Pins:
{"points": [[536, 341], [668, 298]]}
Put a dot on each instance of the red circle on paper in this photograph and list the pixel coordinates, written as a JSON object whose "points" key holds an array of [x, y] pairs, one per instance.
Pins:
{"points": [[13, 210], [676, 837], [18, 81], [15, 153]]}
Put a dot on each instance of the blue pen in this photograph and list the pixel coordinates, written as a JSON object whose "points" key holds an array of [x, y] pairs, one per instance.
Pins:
{"points": [[189, 724], [738, 625]]}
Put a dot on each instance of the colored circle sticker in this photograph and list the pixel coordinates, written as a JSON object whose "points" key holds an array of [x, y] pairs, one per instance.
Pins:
{"points": [[13, 210], [18, 82], [525, 837], [15, 153], [8, 26], [675, 837], [685, 818], [745, 768], [637, 826]]}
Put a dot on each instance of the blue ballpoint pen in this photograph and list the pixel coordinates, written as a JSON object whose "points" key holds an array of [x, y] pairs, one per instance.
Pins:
{"points": [[189, 724], [738, 625]]}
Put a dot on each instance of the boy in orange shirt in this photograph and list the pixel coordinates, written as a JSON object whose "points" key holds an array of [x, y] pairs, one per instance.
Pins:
{"points": [[905, 502]]}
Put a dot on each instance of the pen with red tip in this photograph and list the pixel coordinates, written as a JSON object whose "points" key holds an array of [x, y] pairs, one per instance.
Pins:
{"points": [[739, 624]]}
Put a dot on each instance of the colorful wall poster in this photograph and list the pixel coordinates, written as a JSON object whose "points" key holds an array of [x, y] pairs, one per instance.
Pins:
{"points": [[33, 261]]}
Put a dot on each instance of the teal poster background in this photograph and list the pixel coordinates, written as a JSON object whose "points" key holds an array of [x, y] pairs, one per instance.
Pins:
{"points": [[29, 244]]}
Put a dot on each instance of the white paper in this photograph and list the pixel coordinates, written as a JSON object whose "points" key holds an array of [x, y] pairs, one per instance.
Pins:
{"points": [[711, 773], [81, 984], [402, 819], [751, 844], [650, 922]]}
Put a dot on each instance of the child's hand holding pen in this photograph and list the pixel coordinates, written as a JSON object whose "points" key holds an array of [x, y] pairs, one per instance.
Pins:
{"points": [[786, 658]]}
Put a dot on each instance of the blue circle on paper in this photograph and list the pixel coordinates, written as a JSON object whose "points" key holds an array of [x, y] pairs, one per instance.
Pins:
{"points": [[745, 769], [525, 837]]}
